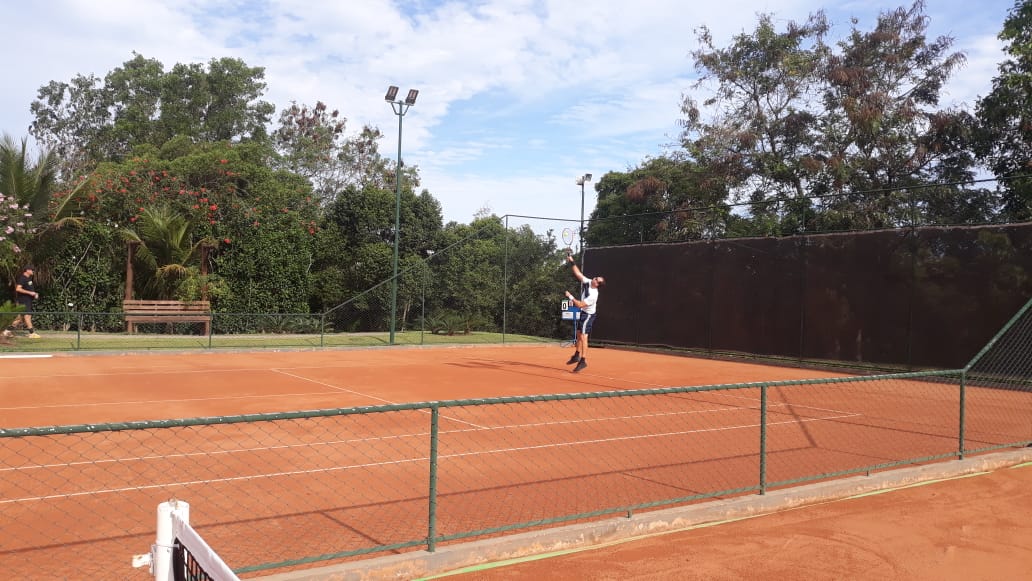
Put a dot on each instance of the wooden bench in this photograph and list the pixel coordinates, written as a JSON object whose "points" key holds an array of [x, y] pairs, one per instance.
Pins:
{"points": [[148, 311]]}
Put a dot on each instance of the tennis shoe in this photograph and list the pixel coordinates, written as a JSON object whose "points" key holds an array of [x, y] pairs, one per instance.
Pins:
{"points": [[573, 359], [34, 335], [580, 365], [8, 333]]}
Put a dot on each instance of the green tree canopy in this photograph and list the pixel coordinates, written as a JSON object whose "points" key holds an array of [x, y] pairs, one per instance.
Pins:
{"points": [[87, 120], [312, 142], [790, 118], [670, 198], [1005, 115]]}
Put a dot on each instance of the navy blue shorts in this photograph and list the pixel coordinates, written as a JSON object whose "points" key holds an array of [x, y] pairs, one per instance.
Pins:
{"points": [[585, 323]]}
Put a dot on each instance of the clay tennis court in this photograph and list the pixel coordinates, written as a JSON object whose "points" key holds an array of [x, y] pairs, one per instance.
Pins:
{"points": [[65, 494]]}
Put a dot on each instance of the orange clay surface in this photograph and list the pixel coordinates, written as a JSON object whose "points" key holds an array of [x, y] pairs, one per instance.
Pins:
{"points": [[73, 389], [93, 389], [967, 529]]}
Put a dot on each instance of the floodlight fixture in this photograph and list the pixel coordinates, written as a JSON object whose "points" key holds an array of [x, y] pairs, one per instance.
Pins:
{"points": [[580, 239], [392, 92], [411, 98]]}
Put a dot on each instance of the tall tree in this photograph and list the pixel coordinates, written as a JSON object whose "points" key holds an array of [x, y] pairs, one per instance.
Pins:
{"points": [[882, 127], [1005, 115], [72, 119], [757, 128], [312, 142], [665, 198], [87, 121], [791, 118], [356, 249]]}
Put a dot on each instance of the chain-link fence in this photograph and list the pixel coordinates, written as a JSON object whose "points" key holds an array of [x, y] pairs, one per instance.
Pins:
{"points": [[77, 331], [913, 298], [498, 281], [276, 491], [900, 299]]}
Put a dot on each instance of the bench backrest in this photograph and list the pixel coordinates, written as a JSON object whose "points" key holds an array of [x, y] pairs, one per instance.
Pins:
{"points": [[161, 306]]}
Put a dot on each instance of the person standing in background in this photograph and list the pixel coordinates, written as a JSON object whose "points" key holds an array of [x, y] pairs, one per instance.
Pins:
{"points": [[25, 294]]}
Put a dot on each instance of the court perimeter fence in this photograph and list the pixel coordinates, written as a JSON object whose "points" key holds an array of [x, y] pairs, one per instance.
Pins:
{"points": [[896, 300], [497, 282], [904, 279], [272, 492]]}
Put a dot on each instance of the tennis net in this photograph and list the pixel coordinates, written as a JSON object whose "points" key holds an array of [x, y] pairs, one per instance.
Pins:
{"points": [[193, 559], [180, 553]]}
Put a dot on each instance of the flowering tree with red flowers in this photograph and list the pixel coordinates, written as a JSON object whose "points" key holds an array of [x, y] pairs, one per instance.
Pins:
{"points": [[260, 223]]}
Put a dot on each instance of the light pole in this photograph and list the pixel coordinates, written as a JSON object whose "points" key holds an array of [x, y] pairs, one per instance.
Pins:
{"points": [[580, 182], [400, 108]]}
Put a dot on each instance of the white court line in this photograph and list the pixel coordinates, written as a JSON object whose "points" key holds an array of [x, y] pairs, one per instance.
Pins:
{"points": [[408, 435], [641, 437], [196, 399], [370, 439], [650, 385], [160, 371], [125, 460], [210, 481], [159, 401], [360, 394], [406, 461], [26, 356], [119, 373]]}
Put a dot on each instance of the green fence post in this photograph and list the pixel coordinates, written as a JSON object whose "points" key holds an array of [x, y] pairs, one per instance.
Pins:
{"points": [[78, 333], [322, 329], [422, 303], [763, 438], [431, 536], [962, 414], [505, 281], [211, 329]]}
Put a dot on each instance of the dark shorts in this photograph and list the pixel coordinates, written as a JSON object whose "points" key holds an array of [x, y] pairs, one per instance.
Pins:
{"points": [[27, 303], [585, 323]]}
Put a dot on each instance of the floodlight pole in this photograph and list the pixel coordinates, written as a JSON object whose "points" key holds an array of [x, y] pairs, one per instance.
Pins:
{"points": [[400, 108], [580, 242]]}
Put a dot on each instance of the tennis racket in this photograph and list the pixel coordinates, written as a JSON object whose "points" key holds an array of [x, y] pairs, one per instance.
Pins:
{"points": [[569, 237]]}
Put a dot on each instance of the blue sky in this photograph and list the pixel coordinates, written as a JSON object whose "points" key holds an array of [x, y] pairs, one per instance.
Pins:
{"points": [[517, 97]]}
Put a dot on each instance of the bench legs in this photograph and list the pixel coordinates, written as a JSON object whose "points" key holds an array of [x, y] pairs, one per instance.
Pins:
{"points": [[130, 326]]}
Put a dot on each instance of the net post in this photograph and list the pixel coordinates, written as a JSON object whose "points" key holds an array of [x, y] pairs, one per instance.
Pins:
{"points": [[162, 551]]}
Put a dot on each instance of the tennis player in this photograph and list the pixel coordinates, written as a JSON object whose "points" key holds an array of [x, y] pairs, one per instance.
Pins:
{"points": [[586, 303], [24, 294]]}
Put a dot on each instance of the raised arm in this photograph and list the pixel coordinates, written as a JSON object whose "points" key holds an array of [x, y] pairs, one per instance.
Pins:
{"points": [[576, 270]]}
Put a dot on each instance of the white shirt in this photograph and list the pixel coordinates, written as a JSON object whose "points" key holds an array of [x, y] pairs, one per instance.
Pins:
{"points": [[589, 295]]}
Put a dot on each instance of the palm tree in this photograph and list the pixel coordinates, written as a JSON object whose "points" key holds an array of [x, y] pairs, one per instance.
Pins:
{"points": [[26, 186], [30, 182], [167, 250]]}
